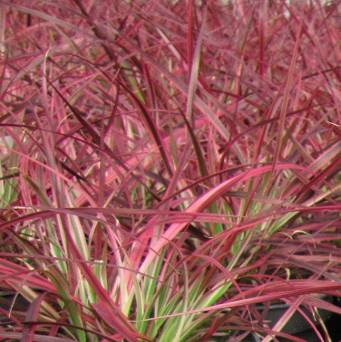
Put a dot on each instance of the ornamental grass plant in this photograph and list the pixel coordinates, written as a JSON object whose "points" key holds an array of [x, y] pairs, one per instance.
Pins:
{"points": [[166, 166]]}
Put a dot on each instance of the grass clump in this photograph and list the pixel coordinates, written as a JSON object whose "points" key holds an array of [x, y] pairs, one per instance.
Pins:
{"points": [[167, 166]]}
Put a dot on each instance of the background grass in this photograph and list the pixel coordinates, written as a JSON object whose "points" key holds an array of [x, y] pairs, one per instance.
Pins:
{"points": [[167, 165]]}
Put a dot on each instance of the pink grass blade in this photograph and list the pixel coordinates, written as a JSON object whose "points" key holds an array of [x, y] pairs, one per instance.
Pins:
{"points": [[285, 103], [203, 202]]}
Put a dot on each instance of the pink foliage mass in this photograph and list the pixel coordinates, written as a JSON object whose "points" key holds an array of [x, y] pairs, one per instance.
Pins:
{"points": [[167, 167]]}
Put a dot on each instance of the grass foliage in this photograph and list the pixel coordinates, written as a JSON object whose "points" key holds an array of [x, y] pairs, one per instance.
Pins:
{"points": [[166, 166]]}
